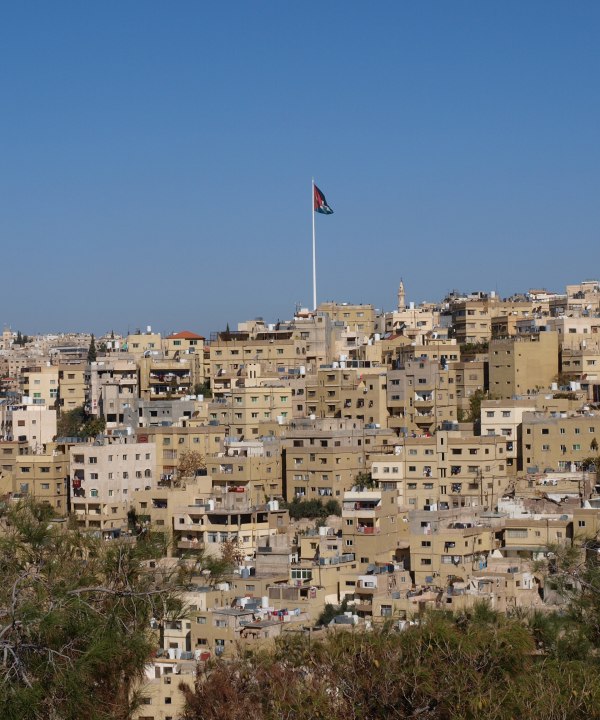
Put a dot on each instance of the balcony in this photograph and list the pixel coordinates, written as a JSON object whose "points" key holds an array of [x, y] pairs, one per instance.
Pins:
{"points": [[190, 545], [367, 530]]}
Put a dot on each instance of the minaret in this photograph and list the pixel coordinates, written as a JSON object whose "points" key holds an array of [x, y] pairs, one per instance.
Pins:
{"points": [[401, 298]]}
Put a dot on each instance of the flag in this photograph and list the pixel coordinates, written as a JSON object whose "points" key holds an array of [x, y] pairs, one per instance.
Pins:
{"points": [[320, 204]]}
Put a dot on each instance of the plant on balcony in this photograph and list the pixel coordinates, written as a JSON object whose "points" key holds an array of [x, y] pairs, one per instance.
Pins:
{"points": [[190, 461]]}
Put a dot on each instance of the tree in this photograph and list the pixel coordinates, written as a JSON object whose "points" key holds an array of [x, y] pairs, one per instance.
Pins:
{"points": [[312, 509], [190, 461], [231, 553], [92, 354], [78, 423], [203, 389], [477, 665], [75, 619]]}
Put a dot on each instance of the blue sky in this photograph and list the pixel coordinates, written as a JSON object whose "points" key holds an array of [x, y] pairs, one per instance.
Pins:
{"points": [[155, 158]]}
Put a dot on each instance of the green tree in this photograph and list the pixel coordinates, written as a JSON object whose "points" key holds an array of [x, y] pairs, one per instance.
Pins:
{"points": [[312, 509], [474, 666], [92, 354], [78, 423], [75, 620]]}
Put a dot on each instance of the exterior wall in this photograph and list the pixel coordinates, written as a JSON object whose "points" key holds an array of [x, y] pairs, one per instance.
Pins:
{"points": [[521, 365], [171, 442], [44, 478], [40, 383], [358, 318], [205, 527], [446, 471], [168, 378], [468, 378], [139, 343], [245, 408], [36, 424], [258, 469], [418, 397], [103, 479], [504, 418], [352, 393], [472, 319], [72, 386], [559, 442], [115, 381], [275, 350], [371, 526]]}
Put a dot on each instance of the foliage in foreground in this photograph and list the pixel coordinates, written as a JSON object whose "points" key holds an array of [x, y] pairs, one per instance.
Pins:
{"points": [[75, 616], [482, 667]]}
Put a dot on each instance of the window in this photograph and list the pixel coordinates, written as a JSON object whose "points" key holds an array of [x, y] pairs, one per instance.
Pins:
{"points": [[93, 460]]}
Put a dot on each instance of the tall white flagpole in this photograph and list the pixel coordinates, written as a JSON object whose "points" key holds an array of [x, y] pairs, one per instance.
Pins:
{"points": [[314, 244]]}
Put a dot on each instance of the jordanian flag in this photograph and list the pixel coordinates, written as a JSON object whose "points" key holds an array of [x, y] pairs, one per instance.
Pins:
{"points": [[320, 203]]}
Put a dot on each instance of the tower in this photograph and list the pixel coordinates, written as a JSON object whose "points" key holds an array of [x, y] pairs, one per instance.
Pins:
{"points": [[401, 297]]}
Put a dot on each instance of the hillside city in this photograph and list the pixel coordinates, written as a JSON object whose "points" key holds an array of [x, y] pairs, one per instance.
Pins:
{"points": [[352, 466]]}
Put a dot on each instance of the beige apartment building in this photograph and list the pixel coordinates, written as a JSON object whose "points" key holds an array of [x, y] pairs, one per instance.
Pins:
{"points": [[10, 451], [504, 419], [449, 546], [322, 458], [522, 365], [103, 480], [229, 517], [138, 343], [420, 397], [372, 526], [243, 409], [449, 470], [40, 383], [580, 363], [172, 442], [354, 394], [469, 378], [113, 385], [162, 378], [43, 477], [357, 318], [252, 465], [73, 382], [472, 318], [276, 351], [561, 441], [184, 343], [32, 423]]}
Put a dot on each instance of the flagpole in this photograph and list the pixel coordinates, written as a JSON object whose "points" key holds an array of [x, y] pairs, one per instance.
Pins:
{"points": [[314, 244]]}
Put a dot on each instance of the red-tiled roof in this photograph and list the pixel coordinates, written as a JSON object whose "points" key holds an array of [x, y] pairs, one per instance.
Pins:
{"points": [[185, 335]]}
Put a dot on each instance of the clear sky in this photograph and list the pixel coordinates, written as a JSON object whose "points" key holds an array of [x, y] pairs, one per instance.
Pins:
{"points": [[156, 157]]}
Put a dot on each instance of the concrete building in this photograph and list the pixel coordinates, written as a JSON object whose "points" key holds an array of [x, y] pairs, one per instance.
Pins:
{"points": [[322, 459], [229, 517], [113, 388], [561, 441], [504, 419], [372, 527], [40, 383], [522, 365], [103, 478], [43, 477], [354, 394], [73, 381], [450, 470], [172, 442], [419, 397]]}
